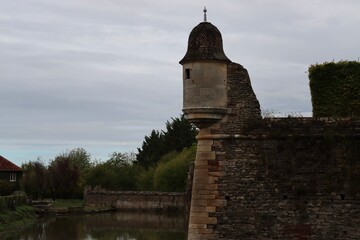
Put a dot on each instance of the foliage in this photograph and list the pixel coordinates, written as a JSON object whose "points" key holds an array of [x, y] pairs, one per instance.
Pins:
{"points": [[64, 178], [335, 89], [35, 181], [269, 113], [13, 220], [6, 188], [117, 173], [145, 179], [151, 150], [272, 113], [161, 159], [6, 202], [100, 175], [80, 157], [171, 176], [178, 135]]}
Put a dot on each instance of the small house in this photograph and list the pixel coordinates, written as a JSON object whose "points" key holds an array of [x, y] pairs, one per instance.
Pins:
{"points": [[10, 172]]}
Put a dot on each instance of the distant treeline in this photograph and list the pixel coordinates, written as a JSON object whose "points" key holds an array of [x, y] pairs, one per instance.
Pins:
{"points": [[161, 164]]}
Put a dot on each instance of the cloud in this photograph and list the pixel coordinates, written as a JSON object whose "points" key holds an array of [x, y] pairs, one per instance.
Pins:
{"points": [[101, 74]]}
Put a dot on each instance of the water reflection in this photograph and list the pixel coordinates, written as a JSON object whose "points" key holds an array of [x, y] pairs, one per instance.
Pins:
{"points": [[114, 225]]}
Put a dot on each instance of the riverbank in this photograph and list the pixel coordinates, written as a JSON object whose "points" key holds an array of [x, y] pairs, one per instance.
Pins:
{"points": [[28, 219], [21, 217], [67, 206], [109, 225], [13, 220]]}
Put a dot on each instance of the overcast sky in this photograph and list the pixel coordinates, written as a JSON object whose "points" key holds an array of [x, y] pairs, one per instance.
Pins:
{"points": [[101, 74]]}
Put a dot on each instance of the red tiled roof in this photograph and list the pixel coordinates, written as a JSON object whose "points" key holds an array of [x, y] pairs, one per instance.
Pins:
{"points": [[6, 165]]}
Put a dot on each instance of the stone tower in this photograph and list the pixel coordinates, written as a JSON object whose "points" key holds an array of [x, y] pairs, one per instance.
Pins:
{"points": [[271, 178], [217, 96], [205, 76]]}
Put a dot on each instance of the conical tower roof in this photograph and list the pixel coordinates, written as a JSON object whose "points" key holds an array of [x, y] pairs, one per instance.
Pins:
{"points": [[205, 43]]}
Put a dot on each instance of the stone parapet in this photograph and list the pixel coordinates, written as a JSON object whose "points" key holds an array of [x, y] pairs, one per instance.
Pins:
{"points": [[132, 200]]}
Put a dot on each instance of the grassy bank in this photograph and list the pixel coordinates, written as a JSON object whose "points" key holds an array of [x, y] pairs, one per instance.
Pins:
{"points": [[13, 220], [66, 203], [67, 206]]}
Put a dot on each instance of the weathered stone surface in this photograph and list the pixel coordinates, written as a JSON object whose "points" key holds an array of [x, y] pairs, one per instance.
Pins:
{"points": [[128, 200], [292, 179], [276, 178]]}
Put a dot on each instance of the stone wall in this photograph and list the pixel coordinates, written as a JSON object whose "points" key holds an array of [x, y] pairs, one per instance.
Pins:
{"points": [[255, 178], [274, 178], [289, 178], [129, 200]]}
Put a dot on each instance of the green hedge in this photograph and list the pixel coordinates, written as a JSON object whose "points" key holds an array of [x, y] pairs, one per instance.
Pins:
{"points": [[335, 89], [171, 175], [6, 202]]}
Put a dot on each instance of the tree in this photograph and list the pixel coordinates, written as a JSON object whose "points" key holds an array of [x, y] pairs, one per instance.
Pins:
{"points": [[118, 159], [117, 173], [80, 157], [65, 178], [171, 176], [35, 181], [151, 150], [81, 160], [179, 134], [101, 175], [123, 170]]}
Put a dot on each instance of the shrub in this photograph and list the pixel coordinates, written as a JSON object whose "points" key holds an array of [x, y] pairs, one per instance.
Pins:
{"points": [[145, 179], [335, 89], [7, 202], [6, 188], [171, 176]]}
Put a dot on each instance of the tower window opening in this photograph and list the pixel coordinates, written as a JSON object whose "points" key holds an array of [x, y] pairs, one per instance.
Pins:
{"points": [[187, 73]]}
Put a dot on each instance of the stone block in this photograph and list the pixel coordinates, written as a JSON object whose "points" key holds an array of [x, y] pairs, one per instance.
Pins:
{"points": [[204, 148], [203, 220], [205, 142], [210, 209], [201, 172], [205, 156]]}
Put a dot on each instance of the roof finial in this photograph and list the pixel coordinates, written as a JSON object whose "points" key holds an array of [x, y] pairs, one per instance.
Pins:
{"points": [[205, 10]]}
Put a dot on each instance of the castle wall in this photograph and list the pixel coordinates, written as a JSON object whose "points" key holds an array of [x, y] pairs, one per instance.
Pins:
{"points": [[129, 200], [291, 178], [275, 178], [254, 178]]}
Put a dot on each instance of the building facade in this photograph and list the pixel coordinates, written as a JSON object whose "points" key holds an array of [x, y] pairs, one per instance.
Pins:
{"points": [[10, 173]]}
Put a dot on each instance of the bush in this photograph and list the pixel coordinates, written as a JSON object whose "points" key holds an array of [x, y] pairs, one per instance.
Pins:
{"points": [[171, 176], [335, 89], [145, 180], [7, 202], [6, 188], [35, 181]]}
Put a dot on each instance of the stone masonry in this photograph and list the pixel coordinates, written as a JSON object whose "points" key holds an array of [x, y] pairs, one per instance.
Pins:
{"points": [[273, 178], [130, 200]]}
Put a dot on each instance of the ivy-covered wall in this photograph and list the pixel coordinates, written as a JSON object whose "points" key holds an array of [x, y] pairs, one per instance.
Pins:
{"points": [[335, 89]]}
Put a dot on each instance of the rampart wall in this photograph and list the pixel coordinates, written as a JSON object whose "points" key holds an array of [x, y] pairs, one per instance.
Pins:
{"points": [[288, 178], [130, 200]]}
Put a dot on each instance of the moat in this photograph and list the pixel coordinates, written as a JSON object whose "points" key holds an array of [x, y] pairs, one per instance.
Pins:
{"points": [[111, 225]]}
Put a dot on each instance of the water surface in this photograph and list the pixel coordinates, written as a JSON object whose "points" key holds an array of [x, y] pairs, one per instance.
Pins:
{"points": [[112, 225]]}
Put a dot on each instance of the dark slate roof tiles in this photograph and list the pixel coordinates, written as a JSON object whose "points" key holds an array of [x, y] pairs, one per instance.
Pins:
{"points": [[205, 43]]}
